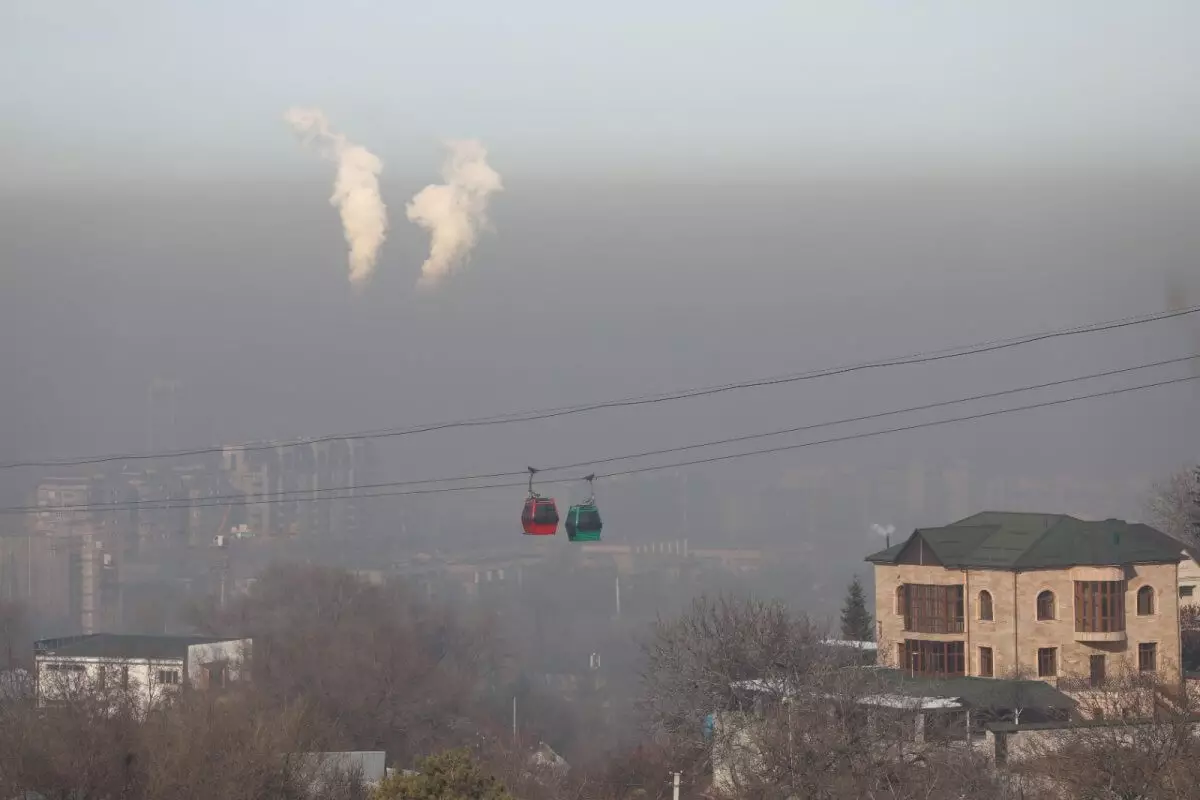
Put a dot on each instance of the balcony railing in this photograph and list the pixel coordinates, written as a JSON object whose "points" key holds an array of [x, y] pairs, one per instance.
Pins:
{"points": [[934, 625]]}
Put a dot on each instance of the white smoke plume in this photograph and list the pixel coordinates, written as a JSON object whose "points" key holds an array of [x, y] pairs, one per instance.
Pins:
{"points": [[355, 190], [883, 530], [454, 212]]}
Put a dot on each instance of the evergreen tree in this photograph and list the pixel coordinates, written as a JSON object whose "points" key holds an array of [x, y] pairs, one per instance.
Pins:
{"points": [[856, 620], [450, 775]]}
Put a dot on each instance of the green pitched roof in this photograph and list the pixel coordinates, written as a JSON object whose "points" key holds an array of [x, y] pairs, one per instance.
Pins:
{"points": [[889, 555], [982, 693], [1013, 541]]}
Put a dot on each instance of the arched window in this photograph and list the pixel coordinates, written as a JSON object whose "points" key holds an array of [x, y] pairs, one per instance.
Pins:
{"points": [[1045, 605], [899, 599], [985, 605], [1145, 601]]}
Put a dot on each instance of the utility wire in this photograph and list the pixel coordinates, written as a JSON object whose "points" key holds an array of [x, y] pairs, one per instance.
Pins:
{"points": [[639, 400], [917, 426], [682, 448], [166, 504]]}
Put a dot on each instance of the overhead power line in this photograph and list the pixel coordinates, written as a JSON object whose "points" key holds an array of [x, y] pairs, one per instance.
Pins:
{"points": [[267, 498], [698, 445], [638, 400]]}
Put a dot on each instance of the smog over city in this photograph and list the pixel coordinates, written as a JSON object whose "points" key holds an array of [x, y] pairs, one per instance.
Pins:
{"points": [[534, 380]]}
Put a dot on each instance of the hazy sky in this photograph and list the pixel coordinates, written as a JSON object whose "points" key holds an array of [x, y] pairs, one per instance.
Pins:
{"points": [[695, 87], [158, 219]]}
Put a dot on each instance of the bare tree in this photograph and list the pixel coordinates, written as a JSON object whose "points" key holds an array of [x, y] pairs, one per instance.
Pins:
{"points": [[1133, 745], [380, 668], [1174, 505], [199, 745], [76, 746], [790, 716]]}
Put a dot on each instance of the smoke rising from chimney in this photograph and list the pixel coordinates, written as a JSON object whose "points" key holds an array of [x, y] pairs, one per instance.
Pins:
{"points": [[454, 212], [355, 189], [885, 531]]}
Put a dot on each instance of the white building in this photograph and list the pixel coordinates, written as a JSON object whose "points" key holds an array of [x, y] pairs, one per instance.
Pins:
{"points": [[1189, 578], [151, 667]]}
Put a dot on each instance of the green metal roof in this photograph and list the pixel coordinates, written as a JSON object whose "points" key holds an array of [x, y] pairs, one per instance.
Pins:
{"points": [[1016, 541], [889, 555], [982, 693], [119, 645]]}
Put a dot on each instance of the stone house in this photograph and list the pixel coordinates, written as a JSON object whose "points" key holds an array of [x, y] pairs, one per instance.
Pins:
{"points": [[1048, 596]]}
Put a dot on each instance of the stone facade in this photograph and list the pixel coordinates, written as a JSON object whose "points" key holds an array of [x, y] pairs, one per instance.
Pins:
{"points": [[1189, 582], [1015, 634]]}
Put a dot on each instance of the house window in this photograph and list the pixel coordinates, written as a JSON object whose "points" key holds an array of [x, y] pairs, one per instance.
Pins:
{"points": [[986, 667], [1097, 670], [933, 609], [1187, 591], [1047, 662], [985, 605], [1147, 657], [1045, 605], [101, 678], [1100, 606], [934, 658], [900, 600], [124, 677], [1145, 601], [168, 676]]}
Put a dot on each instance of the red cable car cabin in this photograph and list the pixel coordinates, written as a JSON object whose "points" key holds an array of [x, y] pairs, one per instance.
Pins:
{"points": [[539, 517]]}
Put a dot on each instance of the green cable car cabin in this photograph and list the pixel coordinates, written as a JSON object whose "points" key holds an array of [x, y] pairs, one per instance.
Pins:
{"points": [[583, 519], [583, 523]]}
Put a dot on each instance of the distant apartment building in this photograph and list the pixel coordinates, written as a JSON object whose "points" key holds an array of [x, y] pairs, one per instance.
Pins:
{"points": [[35, 571], [1033, 596], [289, 478], [60, 501], [89, 528], [152, 668], [65, 572]]}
